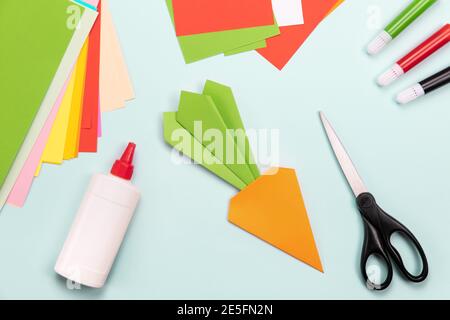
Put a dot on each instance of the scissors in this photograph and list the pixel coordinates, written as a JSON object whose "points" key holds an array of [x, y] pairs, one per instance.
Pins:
{"points": [[378, 225]]}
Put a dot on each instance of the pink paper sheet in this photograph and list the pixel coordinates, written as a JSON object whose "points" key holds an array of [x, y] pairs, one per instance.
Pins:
{"points": [[92, 2], [19, 193]]}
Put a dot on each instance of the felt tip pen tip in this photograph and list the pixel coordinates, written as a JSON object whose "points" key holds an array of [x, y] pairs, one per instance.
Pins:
{"points": [[378, 43], [323, 118], [390, 76], [410, 94], [322, 115]]}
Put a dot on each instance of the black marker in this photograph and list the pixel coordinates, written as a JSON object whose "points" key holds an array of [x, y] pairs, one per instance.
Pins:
{"points": [[424, 87]]}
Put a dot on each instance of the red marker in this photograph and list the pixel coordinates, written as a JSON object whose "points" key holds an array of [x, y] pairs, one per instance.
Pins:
{"points": [[419, 54]]}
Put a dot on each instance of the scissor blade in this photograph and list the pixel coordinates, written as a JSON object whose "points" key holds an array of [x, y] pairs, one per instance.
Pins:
{"points": [[343, 158]]}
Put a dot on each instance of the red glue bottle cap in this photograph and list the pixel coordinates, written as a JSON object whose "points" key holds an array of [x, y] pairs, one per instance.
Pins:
{"points": [[124, 168]]}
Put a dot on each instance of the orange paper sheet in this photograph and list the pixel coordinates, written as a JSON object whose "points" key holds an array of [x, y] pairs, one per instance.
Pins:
{"points": [[272, 209], [205, 16], [281, 49]]}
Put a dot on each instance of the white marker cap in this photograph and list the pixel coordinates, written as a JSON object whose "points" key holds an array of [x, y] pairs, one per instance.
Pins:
{"points": [[380, 41], [410, 94], [390, 75]]}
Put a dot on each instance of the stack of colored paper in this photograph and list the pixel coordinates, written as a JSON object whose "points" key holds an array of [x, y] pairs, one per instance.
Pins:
{"points": [[208, 129], [275, 28], [62, 68]]}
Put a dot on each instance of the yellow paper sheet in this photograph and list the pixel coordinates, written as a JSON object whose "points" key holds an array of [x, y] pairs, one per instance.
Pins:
{"points": [[73, 130], [38, 170], [54, 149]]}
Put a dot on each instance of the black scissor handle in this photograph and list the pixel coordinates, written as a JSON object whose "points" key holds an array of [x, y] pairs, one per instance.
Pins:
{"points": [[379, 228], [373, 246]]}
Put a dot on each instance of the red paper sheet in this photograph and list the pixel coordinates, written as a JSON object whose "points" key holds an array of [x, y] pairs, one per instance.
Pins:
{"points": [[281, 49], [90, 115], [203, 16]]}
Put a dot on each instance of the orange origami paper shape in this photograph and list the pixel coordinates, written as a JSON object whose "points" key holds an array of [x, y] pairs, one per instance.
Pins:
{"points": [[272, 209], [271, 206]]}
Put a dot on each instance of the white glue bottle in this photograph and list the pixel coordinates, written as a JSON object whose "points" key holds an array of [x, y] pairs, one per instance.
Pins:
{"points": [[100, 225]]}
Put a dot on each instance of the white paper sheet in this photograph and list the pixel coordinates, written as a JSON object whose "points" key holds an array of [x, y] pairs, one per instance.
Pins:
{"points": [[288, 12]]}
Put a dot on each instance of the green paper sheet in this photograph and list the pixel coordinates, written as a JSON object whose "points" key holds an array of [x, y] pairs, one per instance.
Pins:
{"points": [[34, 37], [194, 108], [249, 47], [193, 149], [81, 21], [226, 105], [201, 46]]}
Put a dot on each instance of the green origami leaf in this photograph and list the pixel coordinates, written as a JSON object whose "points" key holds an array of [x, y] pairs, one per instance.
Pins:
{"points": [[226, 105], [179, 138], [199, 115]]}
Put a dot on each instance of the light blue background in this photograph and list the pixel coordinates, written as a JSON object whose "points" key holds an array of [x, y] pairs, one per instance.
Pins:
{"points": [[180, 244]]}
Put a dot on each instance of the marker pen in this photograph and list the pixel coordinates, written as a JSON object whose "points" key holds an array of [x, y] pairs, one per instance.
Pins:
{"points": [[419, 54], [400, 23], [424, 87]]}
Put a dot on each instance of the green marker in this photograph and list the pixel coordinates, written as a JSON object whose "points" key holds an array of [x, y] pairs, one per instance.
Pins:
{"points": [[404, 19]]}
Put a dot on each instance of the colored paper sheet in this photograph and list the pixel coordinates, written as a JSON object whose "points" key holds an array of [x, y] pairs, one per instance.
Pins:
{"points": [[226, 105], [115, 83], [180, 139], [201, 46], [280, 49], [250, 47], [204, 16], [54, 149], [338, 3], [38, 170], [25, 80], [34, 71], [93, 3], [288, 12], [73, 130], [19, 192], [200, 110], [99, 133], [272, 209], [90, 111]]}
